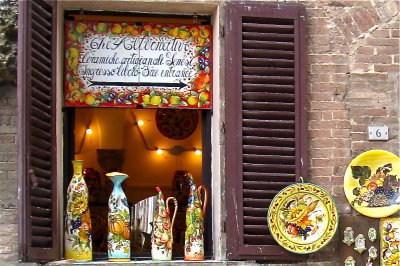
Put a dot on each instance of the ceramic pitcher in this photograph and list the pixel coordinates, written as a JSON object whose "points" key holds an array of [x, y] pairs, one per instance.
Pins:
{"points": [[78, 229], [119, 233], [195, 213], [162, 237]]}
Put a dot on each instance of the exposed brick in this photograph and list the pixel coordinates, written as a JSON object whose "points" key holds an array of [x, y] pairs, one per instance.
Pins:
{"points": [[381, 41], [362, 18], [383, 59], [386, 68]]}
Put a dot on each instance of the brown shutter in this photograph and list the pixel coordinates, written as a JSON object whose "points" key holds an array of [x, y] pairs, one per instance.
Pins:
{"points": [[265, 120], [37, 175]]}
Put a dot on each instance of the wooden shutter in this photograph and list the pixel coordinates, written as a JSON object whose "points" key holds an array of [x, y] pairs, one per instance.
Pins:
{"points": [[38, 224], [266, 141]]}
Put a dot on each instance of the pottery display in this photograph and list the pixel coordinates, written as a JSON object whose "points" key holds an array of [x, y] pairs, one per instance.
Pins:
{"points": [[195, 213], [180, 190], [162, 236], [390, 241], [371, 183], [78, 231], [302, 218], [119, 234]]}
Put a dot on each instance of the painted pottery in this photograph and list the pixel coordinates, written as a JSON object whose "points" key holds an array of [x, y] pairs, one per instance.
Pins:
{"points": [[389, 230], [302, 218], [119, 234], [162, 236], [371, 183], [180, 190], [78, 232], [195, 213]]}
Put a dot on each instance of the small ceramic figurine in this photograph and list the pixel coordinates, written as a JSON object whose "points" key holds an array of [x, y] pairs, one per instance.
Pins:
{"points": [[372, 234], [349, 261], [360, 243], [372, 253], [369, 262], [348, 236]]}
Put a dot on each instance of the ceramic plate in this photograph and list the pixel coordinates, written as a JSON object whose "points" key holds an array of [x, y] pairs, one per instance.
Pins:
{"points": [[302, 218], [371, 183], [390, 241]]}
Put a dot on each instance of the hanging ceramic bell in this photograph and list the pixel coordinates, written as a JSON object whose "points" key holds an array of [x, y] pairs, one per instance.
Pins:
{"points": [[348, 236], [349, 261], [372, 234], [195, 213], [162, 236], [360, 243], [372, 253]]}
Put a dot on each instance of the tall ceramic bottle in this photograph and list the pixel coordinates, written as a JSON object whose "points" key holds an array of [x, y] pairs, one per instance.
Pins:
{"points": [[195, 213], [162, 237], [78, 229], [119, 234]]}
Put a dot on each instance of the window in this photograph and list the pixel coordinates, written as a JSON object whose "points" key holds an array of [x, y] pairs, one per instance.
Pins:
{"points": [[265, 120]]}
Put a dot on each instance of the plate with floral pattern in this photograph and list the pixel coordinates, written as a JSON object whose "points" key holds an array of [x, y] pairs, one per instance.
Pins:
{"points": [[302, 218], [371, 183]]}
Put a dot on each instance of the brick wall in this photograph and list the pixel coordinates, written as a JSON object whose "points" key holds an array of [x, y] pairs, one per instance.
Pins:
{"points": [[353, 72]]}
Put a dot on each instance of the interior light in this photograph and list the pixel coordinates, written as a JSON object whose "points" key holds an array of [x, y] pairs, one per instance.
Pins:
{"points": [[197, 152], [159, 151], [89, 131], [140, 122]]}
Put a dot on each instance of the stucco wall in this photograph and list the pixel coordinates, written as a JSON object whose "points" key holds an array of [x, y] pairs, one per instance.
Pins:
{"points": [[353, 82]]}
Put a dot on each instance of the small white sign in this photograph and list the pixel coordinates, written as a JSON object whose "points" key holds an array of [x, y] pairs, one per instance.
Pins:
{"points": [[378, 133]]}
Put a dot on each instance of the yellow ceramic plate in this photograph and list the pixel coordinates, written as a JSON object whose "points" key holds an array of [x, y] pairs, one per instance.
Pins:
{"points": [[371, 183], [302, 218]]}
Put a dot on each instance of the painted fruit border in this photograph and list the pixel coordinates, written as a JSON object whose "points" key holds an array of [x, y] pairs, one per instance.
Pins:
{"points": [[330, 206], [199, 94]]}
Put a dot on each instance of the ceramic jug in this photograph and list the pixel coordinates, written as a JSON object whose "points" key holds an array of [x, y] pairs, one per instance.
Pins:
{"points": [[78, 229], [162, 237], [119, 233], [195, 213]]}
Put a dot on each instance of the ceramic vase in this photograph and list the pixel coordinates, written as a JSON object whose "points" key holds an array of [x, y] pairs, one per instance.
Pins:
{"points": [[195, 213], [78, 229], [119, 233], [162, 236]]}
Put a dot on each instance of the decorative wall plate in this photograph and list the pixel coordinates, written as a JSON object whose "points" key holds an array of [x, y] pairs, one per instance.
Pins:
{"points": [[302, 218], [176, 124], [390, 241], [371, 183]]}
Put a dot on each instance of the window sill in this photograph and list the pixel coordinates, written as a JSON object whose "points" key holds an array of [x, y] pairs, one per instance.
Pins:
{"points": [[150, 262]]}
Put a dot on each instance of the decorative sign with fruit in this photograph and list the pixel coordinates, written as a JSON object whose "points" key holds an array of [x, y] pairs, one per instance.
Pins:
{"points": [[302, 218], [372, 183], [149, 65], [390, 241]]}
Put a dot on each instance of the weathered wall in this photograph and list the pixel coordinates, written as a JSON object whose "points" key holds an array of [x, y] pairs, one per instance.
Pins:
{"points": [[8, 130], [353, 73]]}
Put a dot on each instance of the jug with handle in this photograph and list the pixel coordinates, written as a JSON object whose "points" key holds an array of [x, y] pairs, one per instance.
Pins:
{"points": [[162, 237], [195, 213]]}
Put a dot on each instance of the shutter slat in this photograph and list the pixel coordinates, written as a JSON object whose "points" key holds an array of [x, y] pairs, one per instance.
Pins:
{"points": [[271, 168], [41, 41], [258, 240], [40, 96], [272, 88], [40, 143], [268, 97], [40, 110], [257, 114], [268, 71], [268, 36], [39, 56], [256, 203], [247, 105], [41, 153], [251, 149], [41, 77], [39, 163], [268, 62], [40, 86], [268, 28], [268, 79], [256, 158], [256, 229], [41, 241], [41, 202], [270, 177], [38, 46], [41, 192], [268, 123], [253, 44], [259, 194], [266, 53], [41, 222], [41, 231], [40, 66], [39, 124], [41, 17], [269, 141], [42, 10], [41, 212], [37, 132]]}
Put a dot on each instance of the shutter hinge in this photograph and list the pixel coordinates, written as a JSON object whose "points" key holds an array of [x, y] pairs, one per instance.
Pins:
{"points": [[222, 32], [223, 127], [224, 227], [33, 178]]}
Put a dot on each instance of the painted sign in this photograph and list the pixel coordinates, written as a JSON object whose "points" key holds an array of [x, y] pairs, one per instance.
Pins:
{"points": [[129, 65]]}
